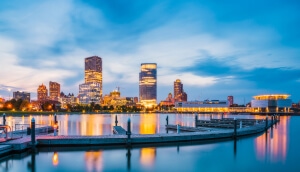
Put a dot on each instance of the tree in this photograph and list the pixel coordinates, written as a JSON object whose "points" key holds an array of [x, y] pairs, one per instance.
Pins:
{"points": [[24, 105]]}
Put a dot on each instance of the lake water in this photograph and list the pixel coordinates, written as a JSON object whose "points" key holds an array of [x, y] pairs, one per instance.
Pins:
{"points": [[275, 150]]}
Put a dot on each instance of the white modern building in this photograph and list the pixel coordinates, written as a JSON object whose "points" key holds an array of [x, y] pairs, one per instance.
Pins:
{"points": [[271, 103], [202, 106]]}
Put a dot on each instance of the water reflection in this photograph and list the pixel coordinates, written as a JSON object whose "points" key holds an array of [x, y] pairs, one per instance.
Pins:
{"points": [[93, 161], [148, 123], [147, 156], [272, 146], [55, 159]]}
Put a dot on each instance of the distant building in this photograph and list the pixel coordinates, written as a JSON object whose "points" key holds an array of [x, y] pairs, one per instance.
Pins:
{"points": [[93, 71], [170, 101], [230, 100], [148, 84], [202, 106], [68, 99], [42, 92], [271, 103], [91, 90], [54, 90], [21, 95], [179, 94], [114, 99]]}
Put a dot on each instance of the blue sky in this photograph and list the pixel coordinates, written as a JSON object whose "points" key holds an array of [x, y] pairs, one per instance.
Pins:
{"points": [[216, 48]]}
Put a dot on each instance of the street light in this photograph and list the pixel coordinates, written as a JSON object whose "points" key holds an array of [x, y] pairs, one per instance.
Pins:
{"points": [[9, 89]]}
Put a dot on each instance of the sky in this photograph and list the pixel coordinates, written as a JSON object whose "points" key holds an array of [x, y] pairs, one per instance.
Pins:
{"points": [[216, 48]]}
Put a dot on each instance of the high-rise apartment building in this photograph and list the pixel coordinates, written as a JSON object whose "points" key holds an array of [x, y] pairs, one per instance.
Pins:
{"points": [[54, 90], [21, 95], [42, 92], [91, 90], [230, 100], [148, 84], [179, 94]]}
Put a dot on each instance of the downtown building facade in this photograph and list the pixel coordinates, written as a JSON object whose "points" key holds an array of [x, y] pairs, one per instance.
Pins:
{"points": [[91, 90], [21, 95], [54, 90], [179, 94], [42, 92], [148, 85]]}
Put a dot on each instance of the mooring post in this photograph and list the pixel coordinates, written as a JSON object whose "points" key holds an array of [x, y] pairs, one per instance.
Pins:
{"points": [[4, 118], [55, 119], [272, 120], [116, 120], [55, 130], [178, 128], [167, 120], [33, 132], [128, 131], [196, 119], [235, 124], [241, 124], [266, 123]]}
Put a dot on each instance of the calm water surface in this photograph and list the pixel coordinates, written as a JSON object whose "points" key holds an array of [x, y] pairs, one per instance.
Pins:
{"points": [[276, 150]]}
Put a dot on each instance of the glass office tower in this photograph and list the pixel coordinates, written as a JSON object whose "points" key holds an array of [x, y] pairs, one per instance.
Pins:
{"points": [[148, 84]]}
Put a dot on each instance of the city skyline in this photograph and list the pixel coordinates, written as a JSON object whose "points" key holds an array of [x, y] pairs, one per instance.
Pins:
{"points": [[206, 45]]}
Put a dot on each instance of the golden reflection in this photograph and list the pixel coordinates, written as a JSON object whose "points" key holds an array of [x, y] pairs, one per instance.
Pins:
{"points": [[273, 145], [55, 160], [93, 161], [147, 156], [148, 123], [91, 125]]}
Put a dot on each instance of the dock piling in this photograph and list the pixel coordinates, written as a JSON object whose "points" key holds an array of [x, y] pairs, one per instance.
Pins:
{"points": [[116, 120], [4, 119], [55, 119], [196, 119], [266, 123], [33, 132], [235, 124], [128, 133], [167, 120], [178, 128]]}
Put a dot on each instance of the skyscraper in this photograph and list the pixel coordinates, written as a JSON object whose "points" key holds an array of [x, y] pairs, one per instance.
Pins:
{"points": [[42, 92], [54, 90], [91, 90], [179, 94], [148, 84]]}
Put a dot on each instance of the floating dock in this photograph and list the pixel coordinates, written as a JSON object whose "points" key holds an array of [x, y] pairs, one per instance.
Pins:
{"points": [[120, 138]]}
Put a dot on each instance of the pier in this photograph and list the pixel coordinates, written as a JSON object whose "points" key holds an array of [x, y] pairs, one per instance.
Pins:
{"points": [[215, 129]]}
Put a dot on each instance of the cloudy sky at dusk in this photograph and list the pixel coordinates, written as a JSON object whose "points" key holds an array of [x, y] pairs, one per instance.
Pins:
{"points": [[217, 49]]}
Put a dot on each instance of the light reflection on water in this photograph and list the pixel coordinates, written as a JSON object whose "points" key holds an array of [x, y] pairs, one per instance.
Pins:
{"points": [[267, 151], [272, 146]]}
